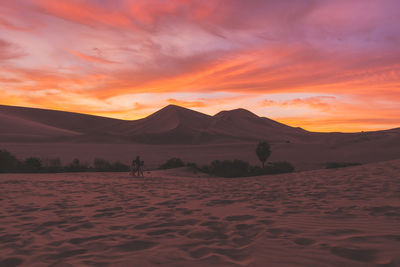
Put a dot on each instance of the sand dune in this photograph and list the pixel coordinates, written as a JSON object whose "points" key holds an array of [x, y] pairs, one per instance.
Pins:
{"points": [[170, 125], [15, 129], [179, 132], [68, 121], [344, 217]]}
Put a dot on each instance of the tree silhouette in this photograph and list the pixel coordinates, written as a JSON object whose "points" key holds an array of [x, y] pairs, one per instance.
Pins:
{"points": [[263, 151], [33, 164], [8, 162]]}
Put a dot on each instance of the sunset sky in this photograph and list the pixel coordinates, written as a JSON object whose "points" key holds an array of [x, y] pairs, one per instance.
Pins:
{"points": [[324, 65]]}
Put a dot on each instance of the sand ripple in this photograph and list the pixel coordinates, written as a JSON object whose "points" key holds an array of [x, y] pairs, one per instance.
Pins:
{"points": [[347, 217]]}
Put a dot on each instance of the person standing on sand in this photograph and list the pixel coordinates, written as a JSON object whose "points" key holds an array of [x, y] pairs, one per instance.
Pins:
{"points": [[137, 163], [141, 168], [133, 168]]}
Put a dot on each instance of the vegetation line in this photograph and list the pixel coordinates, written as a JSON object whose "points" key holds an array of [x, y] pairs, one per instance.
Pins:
{"points": [[10, 164]]}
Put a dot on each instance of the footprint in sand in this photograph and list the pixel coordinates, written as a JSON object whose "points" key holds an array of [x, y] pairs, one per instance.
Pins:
{"points": [[266, 222], [136, 245], [67, 254], [239, 218], [246, 233], [302, 241], [234, 254], [271, 210], [207, 235], [356, 254], [200, 252], [218, 202], [78, 240], [341, 232], [160, 232], [11, 262]]}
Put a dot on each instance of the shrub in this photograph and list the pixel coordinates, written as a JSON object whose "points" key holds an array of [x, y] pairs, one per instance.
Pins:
{"points": [[119, 167], [32, 164], [172, 163], [8, 162], [101, 165], [76, 166], [192, 165], [278, 167], [229, 168], [54, 165], [333, 165], [239, 168]]}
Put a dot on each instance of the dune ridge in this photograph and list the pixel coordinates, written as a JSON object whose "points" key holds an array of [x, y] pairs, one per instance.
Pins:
{"points": [[170, 125]]}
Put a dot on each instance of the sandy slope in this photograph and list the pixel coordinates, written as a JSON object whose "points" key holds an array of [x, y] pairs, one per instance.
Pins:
{"points": [[14, 128], [343, 217], [170, 125]]}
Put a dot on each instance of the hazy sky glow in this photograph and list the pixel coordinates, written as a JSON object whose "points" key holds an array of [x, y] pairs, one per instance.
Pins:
{"points": [[320, 64]]}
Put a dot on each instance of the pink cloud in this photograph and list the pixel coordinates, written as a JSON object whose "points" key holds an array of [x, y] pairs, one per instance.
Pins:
{"points": [[343, 48], [9, 51], [323, 103], [93, 58], [83, 12]]}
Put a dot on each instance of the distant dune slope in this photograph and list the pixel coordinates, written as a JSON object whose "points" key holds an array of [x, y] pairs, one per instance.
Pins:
{"points": [[170, 125], [69, 121], [14, 128]]}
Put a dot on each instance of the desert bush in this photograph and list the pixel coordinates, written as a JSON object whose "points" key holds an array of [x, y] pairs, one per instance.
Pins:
{"points": [[333, 165], [278, 167], [192, 165], [54, 165], [32, 164], [76, 166], [229, 168], [119, 167], [239, 168], [172, 163], [101, 165], [8, 162]]}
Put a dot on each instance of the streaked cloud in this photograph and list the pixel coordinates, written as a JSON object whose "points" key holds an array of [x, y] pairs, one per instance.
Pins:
{"points": [[93, 58]]}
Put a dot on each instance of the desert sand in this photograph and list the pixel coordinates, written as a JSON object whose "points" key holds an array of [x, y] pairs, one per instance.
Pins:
{"points": [[340, 217]]}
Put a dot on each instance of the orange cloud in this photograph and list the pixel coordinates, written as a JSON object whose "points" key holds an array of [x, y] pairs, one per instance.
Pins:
{"points": [[93, 58], [317, 102], [187, 104]]}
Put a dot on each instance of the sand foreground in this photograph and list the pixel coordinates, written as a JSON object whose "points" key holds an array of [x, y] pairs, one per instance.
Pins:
{"points": [[343, 217]]}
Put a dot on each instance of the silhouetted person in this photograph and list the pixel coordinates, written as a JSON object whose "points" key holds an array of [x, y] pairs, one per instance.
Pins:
{"points": [[133, 168], [137, 162], [141, 169]]}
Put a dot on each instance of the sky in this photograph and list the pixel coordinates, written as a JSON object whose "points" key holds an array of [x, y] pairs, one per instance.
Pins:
{"points": [[321, 65]]}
